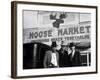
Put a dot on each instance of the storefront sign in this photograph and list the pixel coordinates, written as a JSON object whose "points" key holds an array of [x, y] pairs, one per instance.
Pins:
{"points": [[68, 33]]}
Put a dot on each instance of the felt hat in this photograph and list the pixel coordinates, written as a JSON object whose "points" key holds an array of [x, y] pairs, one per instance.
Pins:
{"points": [[54, 44], [71, 44]]}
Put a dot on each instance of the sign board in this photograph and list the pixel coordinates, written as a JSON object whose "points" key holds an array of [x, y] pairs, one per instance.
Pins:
{"points": [[68, 33]]}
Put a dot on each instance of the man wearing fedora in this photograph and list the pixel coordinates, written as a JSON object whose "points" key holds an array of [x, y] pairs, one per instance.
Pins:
{"points": [[74, 56], [51, 59], [63, 55]]}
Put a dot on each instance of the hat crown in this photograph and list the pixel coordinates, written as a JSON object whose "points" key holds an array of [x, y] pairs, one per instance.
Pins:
{"points": [[54, 44], [71, 44]]}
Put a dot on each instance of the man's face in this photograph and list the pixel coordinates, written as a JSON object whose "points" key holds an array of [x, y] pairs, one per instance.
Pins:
{"points": [[63, 47], [54, 48], [73, 48]]}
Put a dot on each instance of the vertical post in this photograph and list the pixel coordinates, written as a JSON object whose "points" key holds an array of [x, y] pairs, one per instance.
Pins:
{"points": [[34, 55], [87, 59]]}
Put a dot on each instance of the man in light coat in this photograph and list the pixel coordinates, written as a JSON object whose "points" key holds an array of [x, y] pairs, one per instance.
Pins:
{"points": [[51, 59]]}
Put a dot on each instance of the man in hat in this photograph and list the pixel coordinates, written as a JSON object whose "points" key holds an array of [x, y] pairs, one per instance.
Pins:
{"points": [[74, 55], [63, 55], [51, 59]]}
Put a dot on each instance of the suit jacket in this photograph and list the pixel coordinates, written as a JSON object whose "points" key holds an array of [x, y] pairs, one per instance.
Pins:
{"points": [[75, 60], [63, 58], [47, 59]]}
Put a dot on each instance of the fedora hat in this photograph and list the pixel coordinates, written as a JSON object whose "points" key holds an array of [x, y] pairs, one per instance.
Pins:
{"points": [[54, 44], [71, 44]]}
